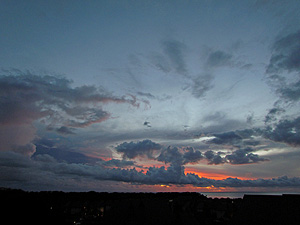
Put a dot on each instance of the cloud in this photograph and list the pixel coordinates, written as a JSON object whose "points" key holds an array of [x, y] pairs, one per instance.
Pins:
{"points": [[191, 156], [272, 114], [26, 98], [175, 51], [285, 58], [148, 95], [244, 156], [147, 124], [286, 131], [201, 84], [27, 149], [171, 155], [152, 97], [44, 172], [61, 153], [214, 158], [175, 156], [290, 92], [180, 157], [286, 54], [141, 148], [116, 163], [230, 137], [242, 141], [65, 130], [16, 135], [218, 58], [160, 62], [173, 58]]}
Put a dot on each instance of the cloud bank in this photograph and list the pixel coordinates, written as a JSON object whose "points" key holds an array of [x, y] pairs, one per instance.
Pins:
{"points": [[18, 170]]}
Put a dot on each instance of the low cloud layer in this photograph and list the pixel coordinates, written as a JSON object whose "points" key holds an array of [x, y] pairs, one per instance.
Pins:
{"points": [[20, 171]]}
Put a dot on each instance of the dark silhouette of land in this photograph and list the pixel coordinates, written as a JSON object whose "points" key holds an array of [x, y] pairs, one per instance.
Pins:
{"points": [[20, 207]]}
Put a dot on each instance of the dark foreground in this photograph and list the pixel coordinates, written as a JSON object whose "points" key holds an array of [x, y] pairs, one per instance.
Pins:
{"points": [[19, 207]]}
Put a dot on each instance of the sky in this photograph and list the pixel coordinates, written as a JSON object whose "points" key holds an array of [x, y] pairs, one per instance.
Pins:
{"points": [[148, 96]]}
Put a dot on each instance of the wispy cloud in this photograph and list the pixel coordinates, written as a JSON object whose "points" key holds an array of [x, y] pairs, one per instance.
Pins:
{"points": [[218, 58], [175, 51], [52, 100]]}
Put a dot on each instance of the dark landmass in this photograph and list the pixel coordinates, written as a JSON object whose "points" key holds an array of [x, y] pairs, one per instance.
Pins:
{"points": [[20, 207]]}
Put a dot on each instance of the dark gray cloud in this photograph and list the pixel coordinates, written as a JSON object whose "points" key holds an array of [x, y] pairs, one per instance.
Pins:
{"points": [[171, 155], [61, 153], [141, 148], [273, 114], [242, 141], [148, 95], [147, 124], [188, 155], [218, 58], [244, 156], [285, 58], [290, 92], [191, 155], [214, 158], [230, 137], [175, 51], [285, 131], [237, 157], [286, 54], [236, 138]]}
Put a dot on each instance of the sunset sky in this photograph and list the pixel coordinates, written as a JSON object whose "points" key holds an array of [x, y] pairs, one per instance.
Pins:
{"points": [[150, 95]]}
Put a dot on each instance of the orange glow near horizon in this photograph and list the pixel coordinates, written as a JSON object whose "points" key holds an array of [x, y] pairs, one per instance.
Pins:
{"points": [[214, 176], [190, 188]]}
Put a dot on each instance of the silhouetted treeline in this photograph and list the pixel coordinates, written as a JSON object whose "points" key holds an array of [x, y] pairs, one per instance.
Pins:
{"points": [[144, 208], [268, 209]]}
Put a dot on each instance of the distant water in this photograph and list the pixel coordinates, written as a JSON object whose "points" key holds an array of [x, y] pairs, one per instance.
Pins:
{"points": [[239, 194]]}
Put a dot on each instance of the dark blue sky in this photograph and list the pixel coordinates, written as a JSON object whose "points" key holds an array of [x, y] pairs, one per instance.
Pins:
{"points": [[137, 95]]}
